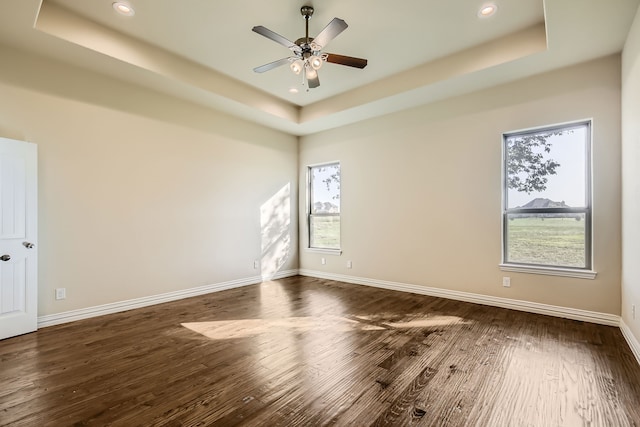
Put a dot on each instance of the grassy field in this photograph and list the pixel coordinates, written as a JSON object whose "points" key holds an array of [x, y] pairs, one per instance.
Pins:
{"points": [[326, 232], [551, 241], [548, 241]]}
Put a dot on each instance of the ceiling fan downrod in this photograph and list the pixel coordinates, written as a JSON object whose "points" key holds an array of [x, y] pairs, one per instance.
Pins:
{"points": [[307, 13]]}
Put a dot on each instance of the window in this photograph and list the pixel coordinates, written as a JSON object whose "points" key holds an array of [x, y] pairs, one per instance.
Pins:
{"points": [[547, 198], [324, 206]]}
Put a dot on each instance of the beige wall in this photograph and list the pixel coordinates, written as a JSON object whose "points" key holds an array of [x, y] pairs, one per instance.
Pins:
{"points": [[631, 178], [141, 194], [421, 189]]}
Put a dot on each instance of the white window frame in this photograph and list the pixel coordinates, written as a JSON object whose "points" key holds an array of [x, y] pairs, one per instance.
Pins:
{"points": [[310, 215], [585, 272]]}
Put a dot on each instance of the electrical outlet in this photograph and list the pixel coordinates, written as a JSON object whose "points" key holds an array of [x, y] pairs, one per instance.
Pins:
{"points": [[256, 264], [349, 264], [61, 293], [506, 282], [323, 261]]}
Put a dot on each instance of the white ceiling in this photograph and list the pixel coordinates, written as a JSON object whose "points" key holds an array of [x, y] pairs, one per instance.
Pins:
{"points": [[419, 51]]}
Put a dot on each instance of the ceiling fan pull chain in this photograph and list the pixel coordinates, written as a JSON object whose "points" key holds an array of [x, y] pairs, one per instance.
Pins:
{"points": [[304, 79]]}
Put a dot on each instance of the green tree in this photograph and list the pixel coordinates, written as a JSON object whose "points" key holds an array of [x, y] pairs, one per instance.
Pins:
{"points": [[528, 165]]}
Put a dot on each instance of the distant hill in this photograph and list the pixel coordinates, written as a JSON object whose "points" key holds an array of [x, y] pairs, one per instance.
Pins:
{"points": [[545, 203], [542, 203]]}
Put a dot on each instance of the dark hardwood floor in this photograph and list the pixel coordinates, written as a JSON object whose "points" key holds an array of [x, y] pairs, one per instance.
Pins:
{"points": [[307, 352]]}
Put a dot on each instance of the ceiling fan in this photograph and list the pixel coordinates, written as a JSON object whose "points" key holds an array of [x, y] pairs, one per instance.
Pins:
{"points": [[308, 55]]}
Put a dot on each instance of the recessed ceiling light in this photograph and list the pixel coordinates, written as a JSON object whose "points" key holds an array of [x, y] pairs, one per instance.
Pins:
{"points": [[293, 90], [487, 10], [123, 8]]}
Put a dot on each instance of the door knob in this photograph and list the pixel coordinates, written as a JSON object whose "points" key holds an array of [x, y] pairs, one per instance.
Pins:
{"points": [[5, 257], [28, 245]]}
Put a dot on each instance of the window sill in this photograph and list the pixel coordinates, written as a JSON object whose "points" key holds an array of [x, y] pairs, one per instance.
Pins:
{"points": [[325, 251], [550, 271]]}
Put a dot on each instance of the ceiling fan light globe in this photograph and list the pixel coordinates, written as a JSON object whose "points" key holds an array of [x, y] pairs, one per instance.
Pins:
{"points": [[311, 73], [296, 67], [316, 62]]}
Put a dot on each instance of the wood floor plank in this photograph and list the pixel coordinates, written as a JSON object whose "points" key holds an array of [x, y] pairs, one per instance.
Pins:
{"points": [[313, 352]]}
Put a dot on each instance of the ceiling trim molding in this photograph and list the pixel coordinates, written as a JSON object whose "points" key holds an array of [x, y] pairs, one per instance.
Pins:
{"points": [[59, 22], [222, 90], [491, 54]]}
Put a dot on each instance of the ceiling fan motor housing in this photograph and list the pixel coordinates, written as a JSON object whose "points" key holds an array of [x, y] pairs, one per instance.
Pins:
{"points": [[306, 11]]}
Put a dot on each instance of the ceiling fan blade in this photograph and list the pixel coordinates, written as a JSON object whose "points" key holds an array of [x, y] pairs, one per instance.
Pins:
{"points": [[276, 38], [330, 32], [272, 65], [349, 61], [312, 79]]}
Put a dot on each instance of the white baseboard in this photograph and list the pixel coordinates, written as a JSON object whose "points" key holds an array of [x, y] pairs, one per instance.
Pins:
{"points": [[115, 307], [531, 307], [631, 339]]}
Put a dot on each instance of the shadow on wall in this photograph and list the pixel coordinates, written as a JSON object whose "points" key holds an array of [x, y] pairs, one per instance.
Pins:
{"points": [[275, 226]]}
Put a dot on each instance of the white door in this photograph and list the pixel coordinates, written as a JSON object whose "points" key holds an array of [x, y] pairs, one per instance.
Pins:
{"points": [[18, 238]]}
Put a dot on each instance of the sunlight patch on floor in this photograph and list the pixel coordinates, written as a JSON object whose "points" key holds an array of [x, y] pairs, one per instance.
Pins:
{"points": [[422, 322], [244, 328], [428, 322]]}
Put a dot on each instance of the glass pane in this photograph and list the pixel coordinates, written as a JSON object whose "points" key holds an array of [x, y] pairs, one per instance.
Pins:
{"points": [[325, 232], [547, 169], [325, 189], [548, 239]]}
